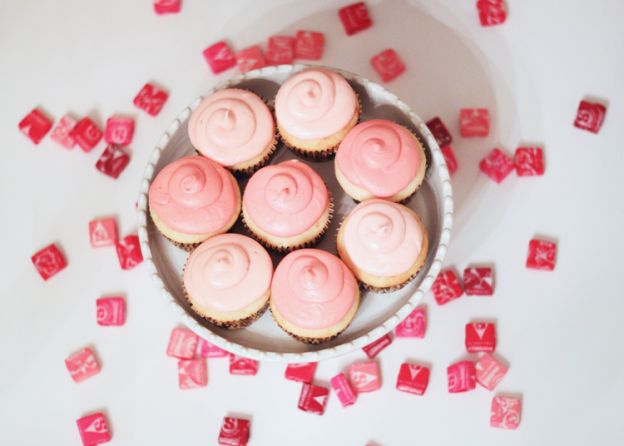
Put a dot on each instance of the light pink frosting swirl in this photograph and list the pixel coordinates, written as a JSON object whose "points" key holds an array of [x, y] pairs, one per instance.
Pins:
{"points": [[380, 157], [285, 199], [313, 289], [382, 238], [314, 104], [194, 195], [228, 272], [231, 126]]}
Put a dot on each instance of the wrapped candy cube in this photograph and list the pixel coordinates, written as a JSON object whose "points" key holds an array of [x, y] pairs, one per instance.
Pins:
{"points": [[413, 378], [343, 390], [192, 373], [496, 165], [119, 131], [167, 6], [489, 371], [220, 57], [48, 261], [414, 325], [313, 398], [301, 372], [35, 125], [474, 122], [364, 376], [309, 45], [491, 12], [151, 99], [112, 161], [234, 432], [182, 343], [439, 132], [207, 350], [529, 161], [542, 254], [243, 366], [61, 132], [375, 347], [446, 287], [355, 18], [103, 232], [281, 50], [449, 157], [480, 337], [111, 311], [590, 116], [94, 429], [388, 65], [250, 59], [479, 281], [129, 252], [87, 134], [461, 377], [82, 365], [506, 411]]}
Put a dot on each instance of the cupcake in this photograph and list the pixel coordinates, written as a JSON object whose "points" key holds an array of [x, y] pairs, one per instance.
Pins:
{"points": [[315, 109], [192, 199], [227, 280], [384, 243], [287, 206], [235, 128], [380, 159], [314, 296]]}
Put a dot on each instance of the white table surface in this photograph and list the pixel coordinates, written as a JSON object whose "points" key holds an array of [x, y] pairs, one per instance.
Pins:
{"points": [[561, 332]]}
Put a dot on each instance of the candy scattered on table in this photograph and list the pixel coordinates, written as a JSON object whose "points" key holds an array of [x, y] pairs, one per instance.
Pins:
{"points": [[355, 18], [462, 377], [446, 287], [343, 389], [250, 58], [364, 376], [94, 429], [474, 122], [234, 432], [313, 398], [102, 232], [439, 132], [167, 6], [113, 161], [480, 337], [192, 373], [35, 125], [496, 165], [151, 99], [87, 134], [414, 325], [207, 350], [590, 116], [82, 365], [388, 65], [491, 12], [413, 378], [449, 157], [375, 347], [110, 311], [48, 261], [529, 161], [281, 50], [129, 252], [309, 45], [243, 366], [506, 411], [479, 281], [542, 255], [182, 343], [220, 57], [61, 132], [119, 131], [301, 372], [489, 371]]}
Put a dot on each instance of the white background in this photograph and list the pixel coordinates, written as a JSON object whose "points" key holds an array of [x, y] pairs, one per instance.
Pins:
{"points": [[561, 332]]}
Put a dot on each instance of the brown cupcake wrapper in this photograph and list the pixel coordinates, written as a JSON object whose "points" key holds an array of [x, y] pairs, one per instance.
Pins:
{"points": [[308, 340]]}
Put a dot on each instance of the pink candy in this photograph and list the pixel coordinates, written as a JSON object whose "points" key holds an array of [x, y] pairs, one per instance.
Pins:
{"points": [[461, 377], [496, 165], [449, 157], [219, 57], [479, 281], [61, 132], [242, 366], [506, 412], [542, 254], [112, 161], [309, 45], [446, 287], [129, 252], [489, 371], [529, 161], [111, 311], [414, 325], [35, 125], [250, 59], [207, 350], [375, 347], [301, 372], [94, 429], [440, 132], [82, 365], [480, 337], [182, 343], [413, 378], [167, 6], [119, 131], [234, 432], [48, 261], [102, 232], [151, 99], [355, 18], [87, 134], [281, 50], [590, 116], [343, 390], [388, 65], [474, 122], [313, 398], [192, 373], [364, 376], [491, 12]]}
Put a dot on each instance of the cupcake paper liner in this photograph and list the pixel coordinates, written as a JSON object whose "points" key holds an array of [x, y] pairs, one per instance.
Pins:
{"points": [[308, 340]]}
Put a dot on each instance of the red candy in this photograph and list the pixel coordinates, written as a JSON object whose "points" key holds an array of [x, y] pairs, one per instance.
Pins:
{"points": [[111, 311], [61, 132], [449, 157], [388, 65], [479, 281], [439, 131], [219, 57], [119, 131], [242, 366], [302, 372], [506, 412], [207, 350], [102, 232], [250, 59], [129, 252], [542, 254], [375, 347], [480, 337], [529, 161], [87, 134], [112, 161], [182, 343], [446, 287], [313, 398], [355, 18], [35, 125], [343, 390], [94, 429], [489, 371], [496, 165], [281, 50], [491, 12], [82, 365], [461, 377], [151, 99], [414, 325], [413, 378], [48, 261], [192, 373], [309, 45], [365, 377], [474, 122], [234, 432], [167, 6], [590, 116]]}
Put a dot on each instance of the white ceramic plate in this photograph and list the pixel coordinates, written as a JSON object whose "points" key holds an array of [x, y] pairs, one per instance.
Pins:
{"points": [[378, 313]]}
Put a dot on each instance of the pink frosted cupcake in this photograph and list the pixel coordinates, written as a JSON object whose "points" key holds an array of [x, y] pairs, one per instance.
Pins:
{"points": [[314, 296], [192, 199], [380, 159], [227, 280], [287, 206]]}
